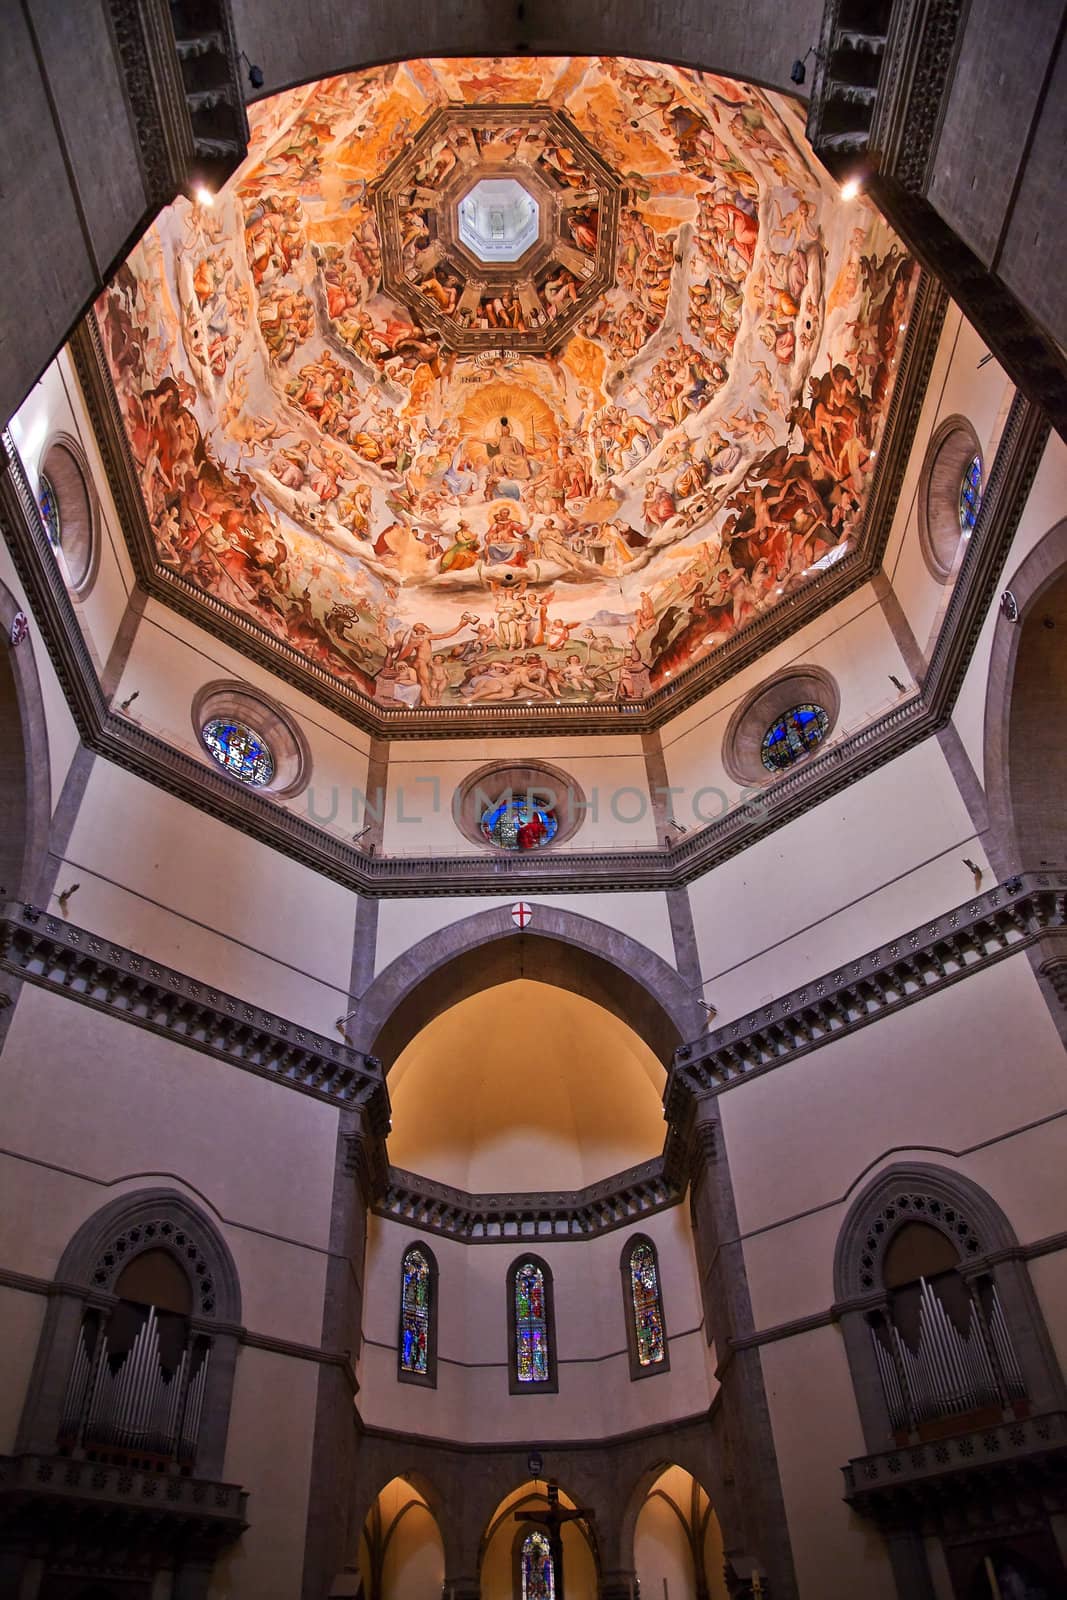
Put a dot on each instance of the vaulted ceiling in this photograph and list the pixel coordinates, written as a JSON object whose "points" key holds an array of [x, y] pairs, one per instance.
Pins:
{"points": [[499, 383]]}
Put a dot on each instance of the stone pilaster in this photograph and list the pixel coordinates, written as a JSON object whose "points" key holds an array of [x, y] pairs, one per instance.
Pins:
{"points": [[728, 1313]]}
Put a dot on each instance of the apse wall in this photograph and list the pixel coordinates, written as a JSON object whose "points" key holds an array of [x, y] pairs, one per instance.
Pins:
{"points": [[970, 1080], [596, 1397], [95, 1109]]}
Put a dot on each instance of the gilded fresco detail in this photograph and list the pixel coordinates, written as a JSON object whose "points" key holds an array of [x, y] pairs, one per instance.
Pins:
{"points": [[557, 447]]}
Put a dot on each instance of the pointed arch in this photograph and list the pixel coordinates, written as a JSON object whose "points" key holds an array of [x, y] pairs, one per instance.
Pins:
{"points": [[532, 1367], [416, 1354], [559, 947], [642, 1293]]}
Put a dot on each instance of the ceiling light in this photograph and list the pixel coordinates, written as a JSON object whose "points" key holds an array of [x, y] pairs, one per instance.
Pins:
{"points": [[203, 195], [851, 189]]}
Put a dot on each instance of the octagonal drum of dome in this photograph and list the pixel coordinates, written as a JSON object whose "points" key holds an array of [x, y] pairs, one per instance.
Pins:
{"points": [[498, 220]]}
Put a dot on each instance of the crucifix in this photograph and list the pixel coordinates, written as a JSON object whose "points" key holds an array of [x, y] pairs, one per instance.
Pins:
{"points": [[552, 1521]]}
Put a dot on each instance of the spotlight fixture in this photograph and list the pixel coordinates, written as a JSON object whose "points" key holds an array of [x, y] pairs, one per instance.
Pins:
{"points": [[65, 896], [203, 195], [798, 71], [901, 688], [976, 869], [255, 74], [850, 189], [128, 702]]}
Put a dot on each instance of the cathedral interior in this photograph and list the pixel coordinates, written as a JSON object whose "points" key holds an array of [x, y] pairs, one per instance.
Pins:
{"points": [[533, 856]]}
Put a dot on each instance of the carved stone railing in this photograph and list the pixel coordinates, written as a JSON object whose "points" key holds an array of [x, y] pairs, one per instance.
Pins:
{"points": [[567, 1214], [59, 1498], [940, 952], [44, 950], [1026, 1452]]}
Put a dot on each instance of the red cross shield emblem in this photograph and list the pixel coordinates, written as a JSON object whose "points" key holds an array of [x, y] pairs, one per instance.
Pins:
{"points": [[521, 913]]}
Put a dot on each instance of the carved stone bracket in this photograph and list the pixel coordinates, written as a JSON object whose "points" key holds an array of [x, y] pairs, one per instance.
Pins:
{"points": [[55, 955], [504, 1218], [184, 90], [978, 933]]}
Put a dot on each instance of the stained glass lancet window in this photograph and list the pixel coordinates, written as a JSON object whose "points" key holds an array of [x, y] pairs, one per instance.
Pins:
{"points": [[415, 1293], [971, 495], [243, 752], [49, 506], [531, 1325], [519, 822], [799, 730], [645, 1305], [538, 1569]]}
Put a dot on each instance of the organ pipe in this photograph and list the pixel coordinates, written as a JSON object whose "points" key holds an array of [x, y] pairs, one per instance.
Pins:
{"points": [[947, 1372], [129, 1401]]}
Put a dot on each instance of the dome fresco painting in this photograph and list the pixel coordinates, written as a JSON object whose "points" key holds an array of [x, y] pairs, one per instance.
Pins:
{"points": [[558, 468]]}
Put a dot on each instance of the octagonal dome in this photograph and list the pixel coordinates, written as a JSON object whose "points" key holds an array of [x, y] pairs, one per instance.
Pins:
{"points": [[448, 489], [498, 219]]}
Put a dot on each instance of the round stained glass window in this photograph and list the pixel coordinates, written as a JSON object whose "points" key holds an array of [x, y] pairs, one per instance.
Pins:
{"points": [[49, 508], [971, 495], [240, 750], [792, 736], [518, 822]]}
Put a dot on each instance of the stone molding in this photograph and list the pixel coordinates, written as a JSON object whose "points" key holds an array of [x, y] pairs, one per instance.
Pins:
{"points": [[749, 642], [1008, 1460], [184, 93], [982, 931], [516, 1219], [876, 107], [822, 775], [55, 955]]}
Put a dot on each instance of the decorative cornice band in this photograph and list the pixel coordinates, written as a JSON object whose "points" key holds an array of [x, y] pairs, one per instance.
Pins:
{"points": [[192, 1506], [41, 949], [749, 641], [120, 740], [982, 931], [517, 1218]]}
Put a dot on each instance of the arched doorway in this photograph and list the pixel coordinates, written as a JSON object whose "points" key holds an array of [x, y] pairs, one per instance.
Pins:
{"points": [[401, 1553], [678, 1546], [513, 1565]]}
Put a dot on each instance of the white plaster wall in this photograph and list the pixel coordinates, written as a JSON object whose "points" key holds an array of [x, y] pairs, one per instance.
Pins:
{"points": [[170, 661], [55, 405], [958, 387], [168, 881], [836, 1555], [853, 642], [866, 865], [424, 776], [1046, 505], [644, 917], [61, 733], [272, 1425], [596, 1396]]}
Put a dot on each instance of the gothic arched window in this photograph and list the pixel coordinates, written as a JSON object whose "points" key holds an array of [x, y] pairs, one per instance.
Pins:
{"points": [[532, 1335], [537, 1568], [645, 1327], [417, 1346]]}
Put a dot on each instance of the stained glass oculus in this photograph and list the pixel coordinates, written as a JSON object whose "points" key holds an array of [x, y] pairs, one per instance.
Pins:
{"points": [[49, 507], [520, 822], [971, 495], [415, 1314], [792, 736], [531, 1325], [647, 1313], [538, 1570], [240, 750]]}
